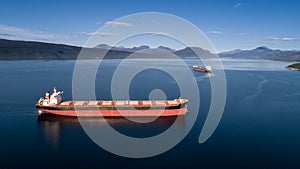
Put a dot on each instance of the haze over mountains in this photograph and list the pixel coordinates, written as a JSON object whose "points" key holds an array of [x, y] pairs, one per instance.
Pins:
{"points": [[25, 50]]}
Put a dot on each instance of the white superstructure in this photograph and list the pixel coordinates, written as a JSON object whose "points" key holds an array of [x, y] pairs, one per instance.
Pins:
{"points": [[208, 68], [54, 99]]}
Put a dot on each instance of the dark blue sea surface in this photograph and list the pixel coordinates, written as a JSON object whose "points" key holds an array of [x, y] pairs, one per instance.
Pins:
{"points": [[260, 127]]}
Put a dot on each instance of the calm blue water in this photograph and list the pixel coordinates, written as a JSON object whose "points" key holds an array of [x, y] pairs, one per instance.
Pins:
{"points": [[260, 127]]}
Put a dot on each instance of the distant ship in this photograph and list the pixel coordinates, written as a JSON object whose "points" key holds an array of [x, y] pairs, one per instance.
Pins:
{"points": [[53, 104], [206, 69]]}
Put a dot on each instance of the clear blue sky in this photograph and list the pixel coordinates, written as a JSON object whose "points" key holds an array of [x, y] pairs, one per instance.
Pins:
{"points": [[229, 24]]}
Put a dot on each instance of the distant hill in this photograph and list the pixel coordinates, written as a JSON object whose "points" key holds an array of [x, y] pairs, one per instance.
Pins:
{"points": [[193, 52], [166, 48], [14, 50], [159, 52], [295, 66], [263, 53], [26, 50], [122, 48], [103, 46]]}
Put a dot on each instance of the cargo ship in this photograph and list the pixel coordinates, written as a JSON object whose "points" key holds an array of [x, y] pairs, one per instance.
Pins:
{"points": [[53, 104], [206, 69]]}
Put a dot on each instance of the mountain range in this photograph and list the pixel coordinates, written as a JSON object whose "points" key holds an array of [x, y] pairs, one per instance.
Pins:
{"points": [[28, 50], [263, 53]]}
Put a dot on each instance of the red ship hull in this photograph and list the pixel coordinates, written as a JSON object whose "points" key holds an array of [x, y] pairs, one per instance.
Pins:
{"points": [[198, 69], [98, 109], [117, 113]]}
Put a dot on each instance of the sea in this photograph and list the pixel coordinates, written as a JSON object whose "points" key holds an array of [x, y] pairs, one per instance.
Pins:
{"points": [[259, 127]]}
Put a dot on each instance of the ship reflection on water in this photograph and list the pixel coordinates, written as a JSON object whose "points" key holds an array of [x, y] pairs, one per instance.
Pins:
{"points": [[55, 127]]}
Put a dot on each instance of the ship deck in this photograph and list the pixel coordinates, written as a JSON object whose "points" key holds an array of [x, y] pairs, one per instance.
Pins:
{"points": [[121, 103]]}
